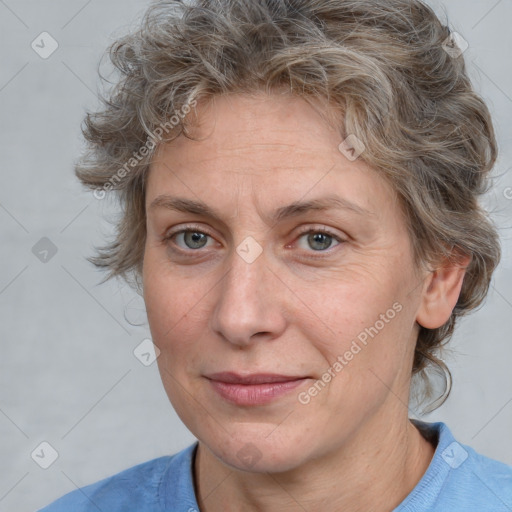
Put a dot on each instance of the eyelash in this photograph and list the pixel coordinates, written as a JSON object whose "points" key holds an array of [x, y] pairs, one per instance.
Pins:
{"points": [[323, 231], [306, 231]]}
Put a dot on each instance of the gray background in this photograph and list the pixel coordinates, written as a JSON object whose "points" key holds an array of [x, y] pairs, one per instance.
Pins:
{"points": [[68, 375]]}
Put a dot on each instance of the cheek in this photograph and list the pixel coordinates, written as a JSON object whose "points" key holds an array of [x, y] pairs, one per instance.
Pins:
{"points": [[363, 327], [176, 319], [348, 303], [173, 304]]}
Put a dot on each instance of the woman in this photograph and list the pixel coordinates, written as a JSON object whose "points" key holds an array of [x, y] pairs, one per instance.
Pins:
{"points": [[299, 181]]}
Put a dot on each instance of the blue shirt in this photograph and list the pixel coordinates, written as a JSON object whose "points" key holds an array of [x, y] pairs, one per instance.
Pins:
{"points": [[457, 479]]}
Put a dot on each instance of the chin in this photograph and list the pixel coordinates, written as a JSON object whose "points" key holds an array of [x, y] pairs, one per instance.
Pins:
{"points": [[257, 453]]}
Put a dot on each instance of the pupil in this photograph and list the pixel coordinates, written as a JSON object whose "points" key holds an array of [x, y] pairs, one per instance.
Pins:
{"points": [[196, 238], [322, 239]]}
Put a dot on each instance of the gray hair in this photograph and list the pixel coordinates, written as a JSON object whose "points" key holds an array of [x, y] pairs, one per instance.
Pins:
{"points": [[390, 72]]}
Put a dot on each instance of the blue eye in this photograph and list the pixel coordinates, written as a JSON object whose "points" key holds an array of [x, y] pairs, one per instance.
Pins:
{"points": [[192, 239], [319, 240]]}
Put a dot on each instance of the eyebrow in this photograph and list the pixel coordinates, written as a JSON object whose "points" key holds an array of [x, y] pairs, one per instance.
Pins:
{"points": [[294, 209]]}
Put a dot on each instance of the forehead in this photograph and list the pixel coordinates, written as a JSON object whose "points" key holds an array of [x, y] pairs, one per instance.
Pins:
{"points": [[277, 123], [277, 147]]}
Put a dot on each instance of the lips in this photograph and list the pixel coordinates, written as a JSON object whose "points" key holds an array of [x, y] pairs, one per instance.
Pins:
{"points": [[256, 378], [253, 389]]}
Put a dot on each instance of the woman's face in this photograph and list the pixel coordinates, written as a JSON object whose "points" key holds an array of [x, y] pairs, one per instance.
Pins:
{"points": [[322, 295]]}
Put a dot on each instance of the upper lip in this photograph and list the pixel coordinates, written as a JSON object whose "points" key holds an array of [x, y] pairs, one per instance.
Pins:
{"points": [[254, 378]]}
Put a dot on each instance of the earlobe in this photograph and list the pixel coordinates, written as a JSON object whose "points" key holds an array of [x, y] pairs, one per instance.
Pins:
{"points": [[440, 293]]}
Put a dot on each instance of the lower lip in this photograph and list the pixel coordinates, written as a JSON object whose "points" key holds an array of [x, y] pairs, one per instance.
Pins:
{"points": [[254, 394]]}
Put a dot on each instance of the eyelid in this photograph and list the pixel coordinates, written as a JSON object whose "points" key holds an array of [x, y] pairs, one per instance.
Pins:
{"points": [[169, 235], [303, 231], [187, 227], [307, 229], [319, 229]]}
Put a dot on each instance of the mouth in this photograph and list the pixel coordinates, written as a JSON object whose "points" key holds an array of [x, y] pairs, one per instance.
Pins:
{"points": [[253, 389]]}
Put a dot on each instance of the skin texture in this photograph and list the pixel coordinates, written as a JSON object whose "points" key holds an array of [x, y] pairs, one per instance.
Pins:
{"points": [[293, 310]]}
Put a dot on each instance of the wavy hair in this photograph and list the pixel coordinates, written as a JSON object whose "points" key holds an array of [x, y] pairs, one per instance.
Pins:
{"points": [[390, 69]]}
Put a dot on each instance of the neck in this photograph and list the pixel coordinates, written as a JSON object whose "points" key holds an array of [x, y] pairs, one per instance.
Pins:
{"points": [[373, 471]]}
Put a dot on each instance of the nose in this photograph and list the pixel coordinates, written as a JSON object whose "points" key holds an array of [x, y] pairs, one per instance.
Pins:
{"points": [[250, 303]]}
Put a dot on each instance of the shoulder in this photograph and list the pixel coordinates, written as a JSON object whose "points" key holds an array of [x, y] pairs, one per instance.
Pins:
{"points": [[460, 479], [142, 487], [485, 476]]}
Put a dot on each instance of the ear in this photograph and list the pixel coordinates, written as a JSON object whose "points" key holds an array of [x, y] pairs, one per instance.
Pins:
{"points": [[441, 291]]}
